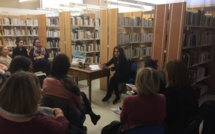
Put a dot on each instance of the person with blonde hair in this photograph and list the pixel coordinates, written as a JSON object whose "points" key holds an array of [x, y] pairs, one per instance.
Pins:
{"points": [[4, 56], [147, 106], [19, 105]]}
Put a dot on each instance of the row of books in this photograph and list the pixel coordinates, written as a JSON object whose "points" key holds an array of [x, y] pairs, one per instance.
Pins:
{"points": [[135, 22], [198, 74], [19, 22], [84, 21], [20, 32], [193, 38], [82, 34], [199, 18], [11, 42], [135, 37], [136, 52], [87, 47], [195, 57], [53, 53], [201, 89], [52, 21], [53, 33], [52, 43]]}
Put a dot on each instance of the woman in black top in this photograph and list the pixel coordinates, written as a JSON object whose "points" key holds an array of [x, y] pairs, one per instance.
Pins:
{"points": [[121, 73], [181, 99], [19, 50]]}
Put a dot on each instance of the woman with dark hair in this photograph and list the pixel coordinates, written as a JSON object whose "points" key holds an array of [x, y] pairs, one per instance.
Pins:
{"points": [[19, 113], [20, 63], [60, 85], [19, 50], [39, 55], [182, 101], [121, 73]]}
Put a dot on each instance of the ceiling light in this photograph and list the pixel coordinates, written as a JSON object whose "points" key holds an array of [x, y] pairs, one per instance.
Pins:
{"points": [[26, 0]]}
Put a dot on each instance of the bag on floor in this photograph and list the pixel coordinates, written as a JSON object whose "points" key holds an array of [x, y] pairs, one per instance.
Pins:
{"points": [[113, 128]]}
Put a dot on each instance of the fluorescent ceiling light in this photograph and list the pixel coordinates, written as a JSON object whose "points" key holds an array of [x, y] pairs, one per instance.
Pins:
{"points": [[26, 0], [122, 4], [138, 2]]}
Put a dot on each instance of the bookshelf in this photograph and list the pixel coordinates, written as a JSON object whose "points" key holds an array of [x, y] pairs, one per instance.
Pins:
{"points": [[53, 36], [24, 27], [198, 46], [191, 38], [85, 34], [135, 34]]}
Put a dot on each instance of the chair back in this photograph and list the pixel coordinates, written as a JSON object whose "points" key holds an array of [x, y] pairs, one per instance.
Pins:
{"points": [[132, 71], [155, 128], [70, 112]]}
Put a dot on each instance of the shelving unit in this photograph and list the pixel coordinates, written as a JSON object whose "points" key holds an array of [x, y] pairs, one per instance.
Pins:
{"points": [[53, 36], [25, 27], [85, 36]]}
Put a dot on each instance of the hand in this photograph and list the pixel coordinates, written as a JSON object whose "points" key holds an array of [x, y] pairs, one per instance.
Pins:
{"points": [[57, 112], [101, 66]]}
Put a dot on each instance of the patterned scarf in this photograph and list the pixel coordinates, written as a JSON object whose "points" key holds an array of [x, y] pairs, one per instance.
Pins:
{"points": [[39, 51]]}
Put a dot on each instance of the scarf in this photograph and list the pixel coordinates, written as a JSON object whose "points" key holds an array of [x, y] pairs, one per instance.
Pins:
{"points": [[39, 51]]}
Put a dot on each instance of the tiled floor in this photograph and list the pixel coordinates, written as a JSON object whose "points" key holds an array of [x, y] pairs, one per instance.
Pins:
{"points": [[99, 107], [104, 109]]}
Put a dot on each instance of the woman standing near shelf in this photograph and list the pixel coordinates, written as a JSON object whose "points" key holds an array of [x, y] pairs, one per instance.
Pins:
{"points": [[182, 101], [120, 75], [19, 50], [39, 55]]}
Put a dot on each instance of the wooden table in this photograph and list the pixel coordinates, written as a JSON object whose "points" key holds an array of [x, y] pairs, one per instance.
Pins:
{"points": [[89, 74]]}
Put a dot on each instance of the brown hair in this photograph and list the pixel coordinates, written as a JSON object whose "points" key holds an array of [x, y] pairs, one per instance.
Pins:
{"points": [[19, 63], [21, 93], [177, 74], [147, 81], [121, 52]]}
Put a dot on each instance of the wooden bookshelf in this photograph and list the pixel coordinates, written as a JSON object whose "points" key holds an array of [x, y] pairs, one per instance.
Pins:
{"points": [[23, 26]]}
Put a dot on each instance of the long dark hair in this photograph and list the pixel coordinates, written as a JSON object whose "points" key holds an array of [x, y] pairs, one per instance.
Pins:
{"points": [[60, 65], [121, 52], [177, 74], [35, 39], [59, 68], [18, 40]]}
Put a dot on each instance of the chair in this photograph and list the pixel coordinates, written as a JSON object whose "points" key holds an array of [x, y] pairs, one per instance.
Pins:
{"points": [[155, 128], [69, 111], [132, 70]]}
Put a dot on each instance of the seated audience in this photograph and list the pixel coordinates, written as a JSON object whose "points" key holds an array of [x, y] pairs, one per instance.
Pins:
{"points": [[60, 85], [39, 55], [147, 106], [4, 57], [19, 50], [20, 114], [182, 101]]}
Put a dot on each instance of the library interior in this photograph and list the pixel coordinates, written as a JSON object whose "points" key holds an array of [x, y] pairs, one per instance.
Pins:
{"points": [[107, 66]]}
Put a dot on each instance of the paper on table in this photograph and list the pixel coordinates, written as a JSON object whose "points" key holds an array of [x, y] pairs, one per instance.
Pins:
{"points": [[94, 67]]}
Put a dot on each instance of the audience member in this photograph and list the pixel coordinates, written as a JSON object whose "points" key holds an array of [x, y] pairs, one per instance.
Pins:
{"points": [[4, 57], [182, 101], [19, 50], [39, 55], [19, 63], [153, 64], [60, 85], [147, 106], [121, 74], [20, 114]]}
